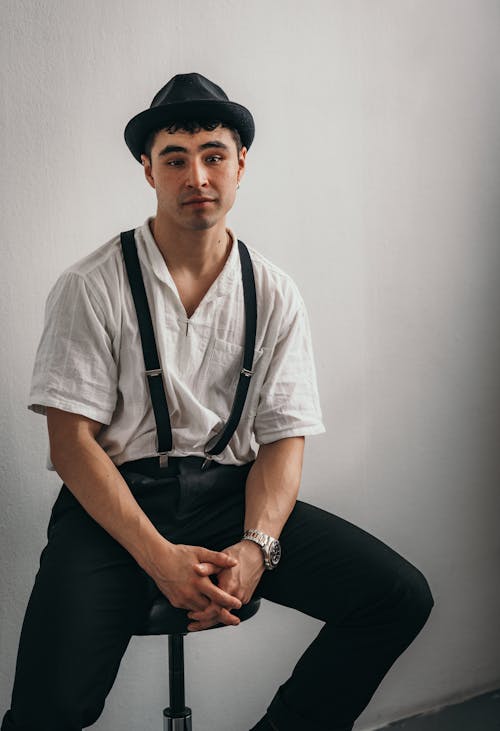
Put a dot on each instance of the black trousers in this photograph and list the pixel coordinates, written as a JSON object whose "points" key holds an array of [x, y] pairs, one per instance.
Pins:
{"points": [[89, 593]]}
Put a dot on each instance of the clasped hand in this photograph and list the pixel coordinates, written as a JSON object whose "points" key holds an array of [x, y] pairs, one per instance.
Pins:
{"points": [[209, 584], [238, 581]]}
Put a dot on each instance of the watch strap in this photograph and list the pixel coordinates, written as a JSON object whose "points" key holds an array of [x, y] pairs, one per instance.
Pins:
{"points": [[264, 541]]}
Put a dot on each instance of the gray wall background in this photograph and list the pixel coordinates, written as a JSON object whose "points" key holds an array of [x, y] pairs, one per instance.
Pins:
{"points": [[374, 181]]}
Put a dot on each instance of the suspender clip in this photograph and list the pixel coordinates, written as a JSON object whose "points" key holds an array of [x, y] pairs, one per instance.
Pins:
{"points": [[208, 460], [246, 372], [163, 456], [154, 372]]}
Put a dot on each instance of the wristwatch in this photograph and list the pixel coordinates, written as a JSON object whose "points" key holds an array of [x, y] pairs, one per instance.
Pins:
{"points": [[271, 548]]}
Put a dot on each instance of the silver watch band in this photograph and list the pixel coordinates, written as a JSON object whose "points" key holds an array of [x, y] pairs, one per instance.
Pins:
{"points": [[258, 536], [270, 546]]}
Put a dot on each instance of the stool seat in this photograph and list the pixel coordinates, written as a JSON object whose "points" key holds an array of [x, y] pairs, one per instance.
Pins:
{"points": [[164, 619]]}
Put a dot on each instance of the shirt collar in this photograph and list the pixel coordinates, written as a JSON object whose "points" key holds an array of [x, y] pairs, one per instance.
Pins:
{"points": [[154, 260]]}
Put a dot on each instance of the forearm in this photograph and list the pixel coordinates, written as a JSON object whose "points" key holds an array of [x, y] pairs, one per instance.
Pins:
{"points": [[99, 487], [273, 484]]}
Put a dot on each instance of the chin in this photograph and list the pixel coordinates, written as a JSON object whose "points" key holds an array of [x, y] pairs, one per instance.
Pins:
{"points": [[202, 225]]}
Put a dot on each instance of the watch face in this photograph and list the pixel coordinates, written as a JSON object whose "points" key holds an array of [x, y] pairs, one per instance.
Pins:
{"points": [[274, 553]]}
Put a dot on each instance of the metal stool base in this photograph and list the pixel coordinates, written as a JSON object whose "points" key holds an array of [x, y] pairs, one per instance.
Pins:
{"points": [[177, 723]]}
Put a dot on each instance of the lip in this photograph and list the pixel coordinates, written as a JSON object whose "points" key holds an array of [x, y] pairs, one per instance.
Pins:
{"points": [[198, 201]]}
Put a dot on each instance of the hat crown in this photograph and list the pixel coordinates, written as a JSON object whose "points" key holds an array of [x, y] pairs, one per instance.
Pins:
{"points": [[187, 97], [188, 88]]}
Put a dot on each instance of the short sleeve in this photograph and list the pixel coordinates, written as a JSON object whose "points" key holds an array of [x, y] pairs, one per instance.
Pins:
{"points": [[289, 401], [74, 367]]}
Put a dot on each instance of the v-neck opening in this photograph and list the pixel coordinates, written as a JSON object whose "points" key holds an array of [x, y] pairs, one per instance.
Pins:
{"points": [[221, 285]]}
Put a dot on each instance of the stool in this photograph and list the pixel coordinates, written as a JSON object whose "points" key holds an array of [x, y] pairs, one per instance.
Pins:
{"points": [[164, 619]]}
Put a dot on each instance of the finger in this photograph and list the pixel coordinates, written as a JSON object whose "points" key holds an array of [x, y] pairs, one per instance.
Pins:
{"points": [[199, 605], [206, 568], [218, 596], [223, 617], [219, 558], [198, 626], [211, 612], [214, 613], [195, 603]]}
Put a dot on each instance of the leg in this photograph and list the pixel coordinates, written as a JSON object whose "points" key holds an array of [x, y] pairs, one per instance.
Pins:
{"points": [[87, 596], [373, 602]]}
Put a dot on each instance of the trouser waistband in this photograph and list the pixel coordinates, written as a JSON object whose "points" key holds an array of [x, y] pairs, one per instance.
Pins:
{"points": [[176, 465]]}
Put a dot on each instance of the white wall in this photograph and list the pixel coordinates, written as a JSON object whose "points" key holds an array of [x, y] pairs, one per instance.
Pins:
{"points": [[374, 181]]}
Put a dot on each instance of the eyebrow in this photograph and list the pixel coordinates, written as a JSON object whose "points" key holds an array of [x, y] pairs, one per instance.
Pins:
{"points": [[205, 146]]}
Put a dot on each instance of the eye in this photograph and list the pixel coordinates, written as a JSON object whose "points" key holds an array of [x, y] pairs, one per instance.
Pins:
{"points": [[214, 158], [175, 163]]}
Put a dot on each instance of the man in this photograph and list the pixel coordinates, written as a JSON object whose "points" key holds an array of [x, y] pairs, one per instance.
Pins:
{"points": [[166, 490]]}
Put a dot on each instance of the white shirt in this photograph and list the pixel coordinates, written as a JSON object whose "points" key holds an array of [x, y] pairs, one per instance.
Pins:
{"points": [[90, 362]]}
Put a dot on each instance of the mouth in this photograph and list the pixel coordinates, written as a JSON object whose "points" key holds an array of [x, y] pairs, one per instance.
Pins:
{"points": [[198, 202]]}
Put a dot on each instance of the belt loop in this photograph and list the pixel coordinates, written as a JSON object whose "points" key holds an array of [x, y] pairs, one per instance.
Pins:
{"points": [[163, 458]]}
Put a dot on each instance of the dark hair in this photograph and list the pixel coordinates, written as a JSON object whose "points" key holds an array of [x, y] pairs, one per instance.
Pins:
{"points": [[192, 126]]}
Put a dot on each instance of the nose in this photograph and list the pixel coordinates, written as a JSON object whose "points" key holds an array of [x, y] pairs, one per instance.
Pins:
{"points": [[196, 177]]}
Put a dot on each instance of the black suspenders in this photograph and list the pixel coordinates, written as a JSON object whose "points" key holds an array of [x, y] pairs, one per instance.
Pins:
{"points": [[154, 371]]}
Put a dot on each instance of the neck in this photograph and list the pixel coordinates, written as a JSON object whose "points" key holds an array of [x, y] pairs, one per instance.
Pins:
{"points": [[197, 252]]}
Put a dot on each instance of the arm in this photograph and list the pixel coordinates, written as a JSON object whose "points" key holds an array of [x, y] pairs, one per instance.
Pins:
{"points": [[270, 495], [273, 484], [99, 487]]}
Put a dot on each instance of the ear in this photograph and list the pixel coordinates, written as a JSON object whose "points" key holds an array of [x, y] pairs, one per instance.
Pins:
{"points": [[146, 162], [242, 163]]}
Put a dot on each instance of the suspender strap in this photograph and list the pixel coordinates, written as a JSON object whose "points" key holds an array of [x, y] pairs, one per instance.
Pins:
{"points": [[221, 440], [154, 371]]}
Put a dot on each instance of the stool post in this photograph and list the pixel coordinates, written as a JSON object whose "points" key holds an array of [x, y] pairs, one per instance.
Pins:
{"points": [[176, 672], [177, 717]]}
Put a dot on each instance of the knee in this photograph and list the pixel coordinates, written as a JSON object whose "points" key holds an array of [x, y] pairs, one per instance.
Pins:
{"points": [[417, 600]]}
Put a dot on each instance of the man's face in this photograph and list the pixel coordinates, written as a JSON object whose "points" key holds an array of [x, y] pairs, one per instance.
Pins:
{"points": [[195, 176]]}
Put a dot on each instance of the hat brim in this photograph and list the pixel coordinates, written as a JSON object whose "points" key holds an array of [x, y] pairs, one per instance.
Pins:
{"points": [[140, 126]]}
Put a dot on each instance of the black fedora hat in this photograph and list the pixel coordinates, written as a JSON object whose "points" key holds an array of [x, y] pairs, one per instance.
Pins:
{"points": [[188, 97]]}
